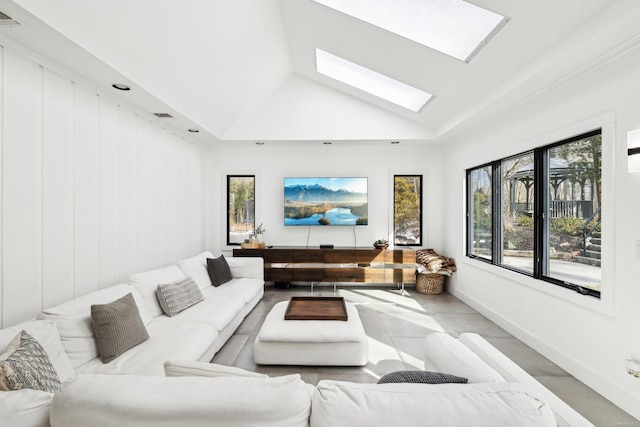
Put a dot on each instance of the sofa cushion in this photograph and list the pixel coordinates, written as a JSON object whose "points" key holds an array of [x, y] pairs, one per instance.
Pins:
{"points": [[337, 404], [444, 353], [422, 377], [25, 408], [196, 267], [182, 368], [25, 364], [178, 296], [46, 333], [182, 401], [169, 339], [219, 270], [216, 310], [243, 287], [117, 327], [147, 282]]}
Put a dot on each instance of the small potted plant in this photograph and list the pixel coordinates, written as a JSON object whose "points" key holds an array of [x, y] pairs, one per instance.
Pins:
{"points": [[259, 231], [381, 244]]}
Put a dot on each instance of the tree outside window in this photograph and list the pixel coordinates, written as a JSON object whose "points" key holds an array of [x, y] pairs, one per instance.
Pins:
{"points": [[407, 210], [240, 208]]}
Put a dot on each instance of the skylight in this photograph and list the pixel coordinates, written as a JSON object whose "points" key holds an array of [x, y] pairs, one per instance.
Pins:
{"points": [[453, 27], [370, 81]]}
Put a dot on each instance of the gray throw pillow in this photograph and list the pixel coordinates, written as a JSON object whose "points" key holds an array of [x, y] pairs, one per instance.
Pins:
{"points": [[424, 377], [219, 270], [25, 364], [178, 296], [117, 327]]}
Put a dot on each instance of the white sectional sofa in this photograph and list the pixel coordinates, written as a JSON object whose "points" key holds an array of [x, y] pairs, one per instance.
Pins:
{"points": [[188, 391], [195, 334], [505, 396]]}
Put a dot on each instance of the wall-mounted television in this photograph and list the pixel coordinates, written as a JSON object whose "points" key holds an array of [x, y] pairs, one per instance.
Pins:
{"points": [[325, 201]]}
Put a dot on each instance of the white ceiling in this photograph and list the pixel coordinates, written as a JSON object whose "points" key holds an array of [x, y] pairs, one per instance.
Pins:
{"points": [[244, 70]]}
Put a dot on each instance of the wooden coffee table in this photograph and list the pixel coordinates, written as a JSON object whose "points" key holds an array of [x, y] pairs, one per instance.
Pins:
{"points": [[316, 308]]}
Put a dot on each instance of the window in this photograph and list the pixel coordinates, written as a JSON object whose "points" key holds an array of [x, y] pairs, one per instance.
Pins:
{"points": [[544, 221], [456, 28], [480, 194], [407, 210], [240, 208], [517, 211], [371, 82]]}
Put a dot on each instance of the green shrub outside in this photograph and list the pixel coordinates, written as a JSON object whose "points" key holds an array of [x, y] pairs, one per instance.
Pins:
{"points": [[568, 226]]}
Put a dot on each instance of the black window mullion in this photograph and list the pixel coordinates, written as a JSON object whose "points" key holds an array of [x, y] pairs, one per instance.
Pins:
{"points": [[469, 213], [496, 212], [540, 212]]}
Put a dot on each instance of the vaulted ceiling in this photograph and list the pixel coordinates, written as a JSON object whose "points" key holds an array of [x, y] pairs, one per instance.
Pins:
{"points": [[244, 70]]}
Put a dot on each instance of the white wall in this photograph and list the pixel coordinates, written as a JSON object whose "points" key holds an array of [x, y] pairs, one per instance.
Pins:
{"points": [[271, 165], [589, 339], [91, 191]]}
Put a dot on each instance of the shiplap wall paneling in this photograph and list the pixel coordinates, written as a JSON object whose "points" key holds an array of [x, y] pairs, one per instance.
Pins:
{"points": [[158, 195], [109, 189], [171, 229], [182, 246], [127, 193], [22, 189], [86, 185], [194, 171], [143, 211], [57, 190]]}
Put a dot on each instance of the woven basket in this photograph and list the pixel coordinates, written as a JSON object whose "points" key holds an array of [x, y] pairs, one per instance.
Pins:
{"points": [[432, 283]]}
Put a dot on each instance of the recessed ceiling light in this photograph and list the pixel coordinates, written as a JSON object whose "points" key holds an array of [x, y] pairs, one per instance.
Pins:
{"points": [[371, 82], [259, 143], [395, 142], [193, 130], [120, 86], [454, 27]]}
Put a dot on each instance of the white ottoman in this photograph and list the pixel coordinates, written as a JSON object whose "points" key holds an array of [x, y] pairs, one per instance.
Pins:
{"points": [[311, 342]]}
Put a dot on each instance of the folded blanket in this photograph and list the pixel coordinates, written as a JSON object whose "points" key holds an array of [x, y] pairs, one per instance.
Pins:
{"points": [[434, 262]]}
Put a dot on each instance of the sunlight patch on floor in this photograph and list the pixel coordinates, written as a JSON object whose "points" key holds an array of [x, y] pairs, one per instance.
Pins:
{"points": [[410, 360], [382, 296]]}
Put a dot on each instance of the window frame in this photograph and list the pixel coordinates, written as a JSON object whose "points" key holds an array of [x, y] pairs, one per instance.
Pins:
{"points": [[421, 208], [469, 214], [229, 177], [541, 205]]}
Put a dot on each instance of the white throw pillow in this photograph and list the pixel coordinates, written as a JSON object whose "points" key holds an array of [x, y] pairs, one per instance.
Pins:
{"points": [[196, 268], [147, 283], [175, 368], [444, 353]]}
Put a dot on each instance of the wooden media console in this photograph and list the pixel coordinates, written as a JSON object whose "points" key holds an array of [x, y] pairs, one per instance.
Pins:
{"points": [[314, 264]]}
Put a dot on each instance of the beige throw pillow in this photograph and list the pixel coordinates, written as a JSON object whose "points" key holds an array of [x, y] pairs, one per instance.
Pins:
{"points": [[25, 364]]}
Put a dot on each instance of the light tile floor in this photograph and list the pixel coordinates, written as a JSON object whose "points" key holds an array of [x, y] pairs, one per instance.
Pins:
{"points": [[396, 326]]}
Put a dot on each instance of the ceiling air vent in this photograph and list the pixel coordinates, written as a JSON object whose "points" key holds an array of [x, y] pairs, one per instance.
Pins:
{"points": [[6, 20], [163, 115]]}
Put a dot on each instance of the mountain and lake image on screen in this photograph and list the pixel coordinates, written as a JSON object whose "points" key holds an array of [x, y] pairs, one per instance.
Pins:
{"points": [[325, 201]]}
